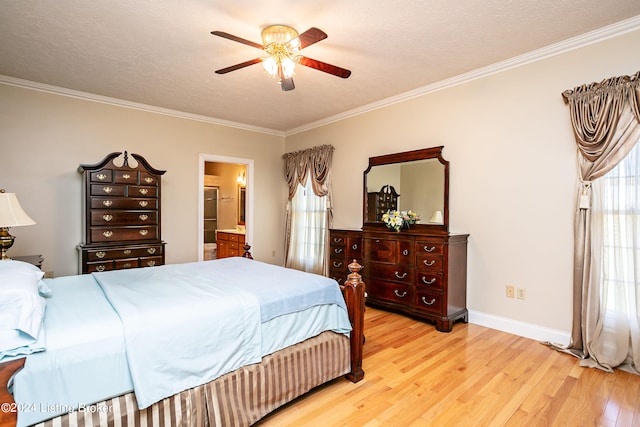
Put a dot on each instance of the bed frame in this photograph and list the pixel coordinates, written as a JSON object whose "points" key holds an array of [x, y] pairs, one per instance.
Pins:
{"points": [[241, 397]]}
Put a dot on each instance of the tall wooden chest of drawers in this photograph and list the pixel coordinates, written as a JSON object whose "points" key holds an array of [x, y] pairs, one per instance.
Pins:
{"points": [[121, 215], [419, 273]]}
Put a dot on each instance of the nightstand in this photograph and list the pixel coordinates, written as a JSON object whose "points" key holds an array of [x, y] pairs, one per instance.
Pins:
{"points": [[36, 260]]}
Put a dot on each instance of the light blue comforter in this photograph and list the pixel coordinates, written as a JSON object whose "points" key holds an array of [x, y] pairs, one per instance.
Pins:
{"points": [[186, 324]]}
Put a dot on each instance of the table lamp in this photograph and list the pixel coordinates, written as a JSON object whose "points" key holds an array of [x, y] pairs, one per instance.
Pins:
{"points": [[11, 215]]}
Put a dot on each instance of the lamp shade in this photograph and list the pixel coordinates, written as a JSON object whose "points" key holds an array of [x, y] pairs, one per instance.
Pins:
{"points": [[11, 213], [436, 218]]}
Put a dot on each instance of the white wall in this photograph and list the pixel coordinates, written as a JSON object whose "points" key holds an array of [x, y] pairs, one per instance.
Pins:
{"points": [[44, 137], [507, 136], [512, 176]]}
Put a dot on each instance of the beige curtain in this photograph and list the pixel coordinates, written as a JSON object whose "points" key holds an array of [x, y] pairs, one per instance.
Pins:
{"points": [[314, 163], [606, 123]]}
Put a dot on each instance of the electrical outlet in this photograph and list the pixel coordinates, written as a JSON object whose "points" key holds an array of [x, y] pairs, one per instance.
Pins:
{"points": [[522, 293], [510, 291], [48, 274]]}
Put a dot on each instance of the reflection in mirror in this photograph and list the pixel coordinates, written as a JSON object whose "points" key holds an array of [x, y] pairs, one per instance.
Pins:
{"points": [[399, 189], [415, 180], [242, 203]]}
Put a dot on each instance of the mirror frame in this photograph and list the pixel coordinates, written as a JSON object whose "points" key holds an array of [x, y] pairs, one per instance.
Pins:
{"points": [[410, 156]]}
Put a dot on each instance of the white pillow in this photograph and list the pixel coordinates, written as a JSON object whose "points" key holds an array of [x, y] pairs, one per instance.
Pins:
{"points": [[21, 306]]}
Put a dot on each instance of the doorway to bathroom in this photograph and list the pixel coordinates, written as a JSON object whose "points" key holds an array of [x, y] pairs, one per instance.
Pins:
{"points": [[225, 201]]}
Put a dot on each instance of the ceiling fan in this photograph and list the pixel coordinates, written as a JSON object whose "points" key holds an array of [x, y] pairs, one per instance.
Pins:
{"points": [[282, 44]]}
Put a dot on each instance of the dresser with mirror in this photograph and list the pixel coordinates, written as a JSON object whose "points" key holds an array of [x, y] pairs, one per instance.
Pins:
{"points": [[420, 270]]}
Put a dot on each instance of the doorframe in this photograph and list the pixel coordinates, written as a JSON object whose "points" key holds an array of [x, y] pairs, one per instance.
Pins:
{"points": [[248, 163]]}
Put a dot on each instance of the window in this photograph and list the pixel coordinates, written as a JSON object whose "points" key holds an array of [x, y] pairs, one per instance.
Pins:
{"points": [[619, 296], [308, 229]]}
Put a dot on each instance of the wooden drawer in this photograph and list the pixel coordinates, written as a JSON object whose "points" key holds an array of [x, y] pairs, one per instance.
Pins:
{"points": [[110, 190], [381, 250], [116, 234], [395, 273], [126, 177], [139, 191], [125, 252], [148, 179], [429, 247], [431, 281], [94, 267], [151, 261], [105, 175], [124, 218], [395, 292], [123, 264], [389, 251], [428, 262], [354, 248], [124, 203], [431, 302]]}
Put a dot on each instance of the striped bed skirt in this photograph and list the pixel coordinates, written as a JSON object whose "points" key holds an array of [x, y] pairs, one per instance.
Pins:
{"points": [[239, 398]]}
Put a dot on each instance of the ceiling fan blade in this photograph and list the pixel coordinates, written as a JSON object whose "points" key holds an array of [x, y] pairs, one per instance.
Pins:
{"points": [[287, 84], [238, 66], [311, 36], [323, 66], [236, 39]]}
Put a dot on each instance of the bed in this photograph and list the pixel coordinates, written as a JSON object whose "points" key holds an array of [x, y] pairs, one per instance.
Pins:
{"points": [[213, 343]]}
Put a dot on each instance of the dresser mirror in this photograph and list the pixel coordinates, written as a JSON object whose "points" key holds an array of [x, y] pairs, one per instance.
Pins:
{"points": [[413, 180]]}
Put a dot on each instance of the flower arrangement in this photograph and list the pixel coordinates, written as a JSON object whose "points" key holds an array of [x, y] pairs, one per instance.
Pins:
{"points": [[398, 220]]}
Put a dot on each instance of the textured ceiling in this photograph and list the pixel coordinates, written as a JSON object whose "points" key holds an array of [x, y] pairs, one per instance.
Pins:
{"points": [[161, 53]]}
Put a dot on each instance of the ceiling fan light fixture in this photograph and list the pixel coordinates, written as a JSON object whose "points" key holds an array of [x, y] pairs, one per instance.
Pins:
{"points": [[281, 44]]}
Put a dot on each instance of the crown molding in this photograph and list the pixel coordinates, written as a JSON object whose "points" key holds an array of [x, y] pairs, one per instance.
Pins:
{"points": [[573, 43], [586, 39], [42, 87]]}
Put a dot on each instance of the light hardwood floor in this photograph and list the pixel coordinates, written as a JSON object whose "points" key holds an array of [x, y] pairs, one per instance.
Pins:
{"points": [[473, 376]]}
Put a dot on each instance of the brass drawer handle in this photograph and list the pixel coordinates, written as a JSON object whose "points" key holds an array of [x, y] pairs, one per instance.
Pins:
{"points": [[126, 176], [151, 251], [127, 252], [151, 263], [127, 265], [428, 263], [431, 249], [107, 217], [100, 254], [144, 232], [354, 247], [405, 252], [424, 300], [148, 180], [143, 203], [107, 189], [337, 240], [107, 203], [400, 295], [337, 264], [100, 268], [101, 176], [143, 217], [399, 276], [428, 282], [107, 233], [144, 191], [337, 250]]}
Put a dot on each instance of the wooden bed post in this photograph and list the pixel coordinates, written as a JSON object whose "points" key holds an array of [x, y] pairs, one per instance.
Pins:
{"points": [[353, 292], [247, 251], [8, 413]]}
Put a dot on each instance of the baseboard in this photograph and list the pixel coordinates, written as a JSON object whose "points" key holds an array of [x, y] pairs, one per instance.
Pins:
{"points": [[523, 329]]}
